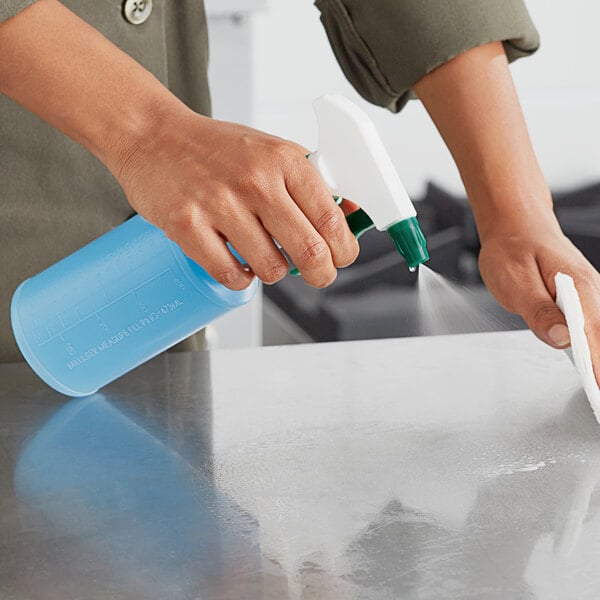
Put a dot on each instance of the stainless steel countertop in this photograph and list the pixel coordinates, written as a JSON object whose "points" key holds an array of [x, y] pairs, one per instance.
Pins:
{"points": [[424, 468]]}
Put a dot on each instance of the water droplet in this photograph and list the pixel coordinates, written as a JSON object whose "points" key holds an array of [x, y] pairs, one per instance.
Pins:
{"points": [[412, 269]]}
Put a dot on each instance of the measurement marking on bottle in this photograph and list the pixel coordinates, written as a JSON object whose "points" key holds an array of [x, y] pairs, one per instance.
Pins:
{"points": [[125, 332], [95, 313]]}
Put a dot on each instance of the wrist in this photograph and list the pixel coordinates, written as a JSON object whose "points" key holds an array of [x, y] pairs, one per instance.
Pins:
{"points": [[516, 219], [110, 107], [510, 200], [136, 131]]}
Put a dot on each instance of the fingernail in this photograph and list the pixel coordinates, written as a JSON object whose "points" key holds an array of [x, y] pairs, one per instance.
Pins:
{"points": [[559, 335]]}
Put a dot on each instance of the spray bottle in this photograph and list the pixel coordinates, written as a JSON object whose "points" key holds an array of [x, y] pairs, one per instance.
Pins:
{"points": [[132, 293]]}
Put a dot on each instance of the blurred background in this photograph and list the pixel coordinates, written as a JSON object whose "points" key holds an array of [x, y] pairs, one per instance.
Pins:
{"points": [[270, 59]]}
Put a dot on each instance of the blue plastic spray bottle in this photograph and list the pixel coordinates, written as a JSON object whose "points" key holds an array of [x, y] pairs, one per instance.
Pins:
{"points": [[132, 293]]}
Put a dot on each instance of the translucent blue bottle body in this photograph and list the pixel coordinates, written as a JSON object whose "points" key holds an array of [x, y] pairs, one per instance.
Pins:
{"points": [[112, 305]]}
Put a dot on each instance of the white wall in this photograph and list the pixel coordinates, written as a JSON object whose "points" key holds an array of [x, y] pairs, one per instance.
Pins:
{"points": [[559, 88]]}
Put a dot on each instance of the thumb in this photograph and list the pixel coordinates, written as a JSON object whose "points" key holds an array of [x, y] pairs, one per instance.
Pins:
{"points": [[545, 319]]}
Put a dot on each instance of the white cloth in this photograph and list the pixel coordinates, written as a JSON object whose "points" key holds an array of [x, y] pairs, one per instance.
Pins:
{"points": [[568, 301]]}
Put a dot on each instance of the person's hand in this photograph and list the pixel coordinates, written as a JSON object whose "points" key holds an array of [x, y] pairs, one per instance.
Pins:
{"points": [[205, 182], [202, 181], [473, 102], [518, 265]]}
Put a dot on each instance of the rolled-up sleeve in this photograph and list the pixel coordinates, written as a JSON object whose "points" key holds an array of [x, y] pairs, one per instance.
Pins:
{"points": [[9, 8], [385, 46]]}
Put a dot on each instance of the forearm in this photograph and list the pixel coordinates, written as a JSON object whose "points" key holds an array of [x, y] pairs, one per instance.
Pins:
{"points": [[70, 75], [473, 102], [203, 182]]}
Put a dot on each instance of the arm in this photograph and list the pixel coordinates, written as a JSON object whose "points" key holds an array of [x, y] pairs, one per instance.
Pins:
{"points": [[473, 102], [200, 180], [385, 49]]}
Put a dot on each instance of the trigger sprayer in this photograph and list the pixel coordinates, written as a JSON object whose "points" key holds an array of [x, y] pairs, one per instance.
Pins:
{"points": [[354, 164]]}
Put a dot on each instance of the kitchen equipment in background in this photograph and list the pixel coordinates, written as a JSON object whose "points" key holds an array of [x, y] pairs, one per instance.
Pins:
{"points": [[376, 298]]}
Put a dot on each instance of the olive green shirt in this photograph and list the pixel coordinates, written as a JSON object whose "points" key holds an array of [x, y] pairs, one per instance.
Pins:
{"points": [[55, 196]]}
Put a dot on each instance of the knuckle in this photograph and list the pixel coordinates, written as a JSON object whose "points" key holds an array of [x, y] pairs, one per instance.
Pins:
{"points": [[584, 275], [314, 252], [543, 311], [330, 222], [180, 223], [231, 277], [285, 155], [254, 180], [282, 149], [592, 328], [219, 193], [274, 273]]}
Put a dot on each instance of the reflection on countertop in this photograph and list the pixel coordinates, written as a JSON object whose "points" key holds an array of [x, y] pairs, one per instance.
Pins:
{"points": [[137, 508]]}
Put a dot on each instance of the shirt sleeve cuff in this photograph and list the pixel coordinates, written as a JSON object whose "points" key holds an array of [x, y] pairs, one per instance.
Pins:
{"points": [[9, 8], [384, 47]]}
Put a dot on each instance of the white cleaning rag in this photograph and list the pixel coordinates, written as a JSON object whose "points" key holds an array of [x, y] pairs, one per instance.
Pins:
{"points": [[568, 301]]}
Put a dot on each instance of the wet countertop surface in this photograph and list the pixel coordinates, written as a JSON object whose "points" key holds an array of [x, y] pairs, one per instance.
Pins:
{"points": [[454, 467]]}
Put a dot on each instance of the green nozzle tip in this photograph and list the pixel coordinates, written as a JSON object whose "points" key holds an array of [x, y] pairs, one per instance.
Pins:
{"points": [[409, 241]]}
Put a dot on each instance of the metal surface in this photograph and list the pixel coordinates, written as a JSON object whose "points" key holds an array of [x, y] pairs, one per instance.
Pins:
{"points": [[456, 467]]}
